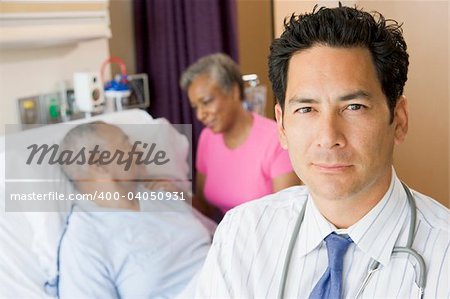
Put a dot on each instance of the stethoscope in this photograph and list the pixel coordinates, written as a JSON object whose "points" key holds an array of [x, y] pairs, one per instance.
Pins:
{"points": [[374, 265]]}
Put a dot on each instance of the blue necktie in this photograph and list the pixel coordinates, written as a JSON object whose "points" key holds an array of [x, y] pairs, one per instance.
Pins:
{"points": [[330, 284]]}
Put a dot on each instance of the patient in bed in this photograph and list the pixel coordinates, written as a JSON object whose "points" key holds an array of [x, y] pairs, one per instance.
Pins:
{"points": [[125, 248]]}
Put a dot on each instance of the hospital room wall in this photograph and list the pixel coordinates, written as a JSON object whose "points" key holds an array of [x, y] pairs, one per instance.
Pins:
{"points": [[255, 32], [122, 43], [31, 67], [33, 71], [423, 160], [29, 71]]}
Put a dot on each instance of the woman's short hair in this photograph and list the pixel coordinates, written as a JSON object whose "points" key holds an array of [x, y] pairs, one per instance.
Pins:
{"points": [[220, 67]]}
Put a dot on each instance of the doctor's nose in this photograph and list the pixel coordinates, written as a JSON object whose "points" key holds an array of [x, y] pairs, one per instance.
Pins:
{"points": [[330, 134]]}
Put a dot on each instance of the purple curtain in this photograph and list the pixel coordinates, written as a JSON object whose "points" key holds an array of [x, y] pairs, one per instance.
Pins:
{"points": [[170, 35]]}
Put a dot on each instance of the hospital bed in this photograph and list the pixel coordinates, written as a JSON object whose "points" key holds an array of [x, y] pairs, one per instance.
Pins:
{"points": [[29, 240]]}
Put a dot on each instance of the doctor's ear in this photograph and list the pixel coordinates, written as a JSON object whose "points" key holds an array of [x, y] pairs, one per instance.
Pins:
{"points": [[401, 119], [280, 127]]}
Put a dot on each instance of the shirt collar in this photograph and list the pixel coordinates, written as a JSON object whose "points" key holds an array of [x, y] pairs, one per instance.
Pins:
{"points": [[314, 228], [375, 234]]}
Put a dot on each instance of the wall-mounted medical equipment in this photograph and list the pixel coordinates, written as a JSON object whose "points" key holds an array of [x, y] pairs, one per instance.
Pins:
{"points": [[125, 91], [117, 90], [88, 91], [85, 96], [29, 110], [255, 94], [140, 93], [48, 108]]}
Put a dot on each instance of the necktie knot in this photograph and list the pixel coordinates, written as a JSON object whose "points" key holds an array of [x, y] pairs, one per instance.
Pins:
{"points": [[337, 246]]}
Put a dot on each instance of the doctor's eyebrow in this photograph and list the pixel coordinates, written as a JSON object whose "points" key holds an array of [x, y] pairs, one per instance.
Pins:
{"points": [[298, 100], [355, 95], [346, 97]]}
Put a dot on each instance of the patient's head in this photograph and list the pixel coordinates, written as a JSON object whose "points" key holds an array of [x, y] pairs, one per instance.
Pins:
{"points": [[101, 142]]}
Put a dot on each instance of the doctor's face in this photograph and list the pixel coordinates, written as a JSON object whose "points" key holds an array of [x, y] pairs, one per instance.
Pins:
{"points": [[336, 123]]}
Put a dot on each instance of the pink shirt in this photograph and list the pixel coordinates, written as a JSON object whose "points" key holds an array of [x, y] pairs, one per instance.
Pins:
{"points": [[235, 176]]}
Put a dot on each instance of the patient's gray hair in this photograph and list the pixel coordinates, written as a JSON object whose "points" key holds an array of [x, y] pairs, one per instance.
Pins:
{"points": [[83, 134], [220, 67]]}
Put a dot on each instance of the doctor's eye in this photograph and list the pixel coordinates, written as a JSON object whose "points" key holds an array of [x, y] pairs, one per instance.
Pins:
{"points": [[304, 110], [355, 106]]}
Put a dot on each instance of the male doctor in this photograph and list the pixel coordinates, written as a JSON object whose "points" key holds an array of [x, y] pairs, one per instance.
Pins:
{"points": [[338, 75]]}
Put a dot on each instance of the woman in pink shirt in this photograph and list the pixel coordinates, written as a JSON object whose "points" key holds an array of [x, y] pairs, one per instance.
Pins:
{"points": [[239, 157]]}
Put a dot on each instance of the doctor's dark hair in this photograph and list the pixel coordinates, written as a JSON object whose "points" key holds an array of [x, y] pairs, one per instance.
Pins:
{"points": [[220, 67], [343, 27]]}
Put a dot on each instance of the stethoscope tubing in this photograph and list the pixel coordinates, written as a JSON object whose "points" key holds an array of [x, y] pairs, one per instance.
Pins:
{"points": [[291, 246]]}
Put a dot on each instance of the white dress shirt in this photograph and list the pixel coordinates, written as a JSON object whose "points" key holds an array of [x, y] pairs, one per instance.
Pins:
{"points": [[249, 249]]}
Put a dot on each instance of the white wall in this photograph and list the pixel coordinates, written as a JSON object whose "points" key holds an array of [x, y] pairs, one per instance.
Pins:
{"points": [[28, 72]]}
